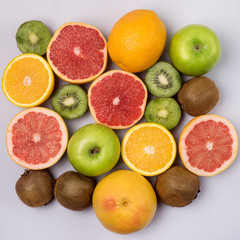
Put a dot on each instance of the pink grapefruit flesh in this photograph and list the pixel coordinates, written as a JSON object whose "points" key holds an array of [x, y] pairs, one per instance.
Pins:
{"points": [[208, 145], [36, 138], [117, 99], [77, 53]]}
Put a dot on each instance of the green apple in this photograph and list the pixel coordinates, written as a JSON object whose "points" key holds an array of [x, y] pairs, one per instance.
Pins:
{"points": [[93, 149], [194, 50]]}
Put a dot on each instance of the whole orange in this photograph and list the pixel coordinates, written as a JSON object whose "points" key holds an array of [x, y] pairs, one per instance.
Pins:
{"points": [[124, 201], [137, 40]]}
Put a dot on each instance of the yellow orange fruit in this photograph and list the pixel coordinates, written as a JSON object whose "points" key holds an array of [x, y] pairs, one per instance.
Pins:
{"points": [[124, 202], [137, 40], [28, 80], [149, 149]]}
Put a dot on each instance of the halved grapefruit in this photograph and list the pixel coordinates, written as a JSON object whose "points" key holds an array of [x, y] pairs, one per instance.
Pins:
{"points": [[208, 145], [77, 52], [36, 138], [117, 99]]}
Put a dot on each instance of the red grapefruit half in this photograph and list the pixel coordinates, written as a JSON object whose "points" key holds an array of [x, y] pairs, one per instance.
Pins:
{"points": [[208, 145], [77, 52], [117, 99], [36, 138]]}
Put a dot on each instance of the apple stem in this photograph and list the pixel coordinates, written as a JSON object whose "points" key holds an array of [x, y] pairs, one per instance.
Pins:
{"points": [[197, 47], [94, 151]]}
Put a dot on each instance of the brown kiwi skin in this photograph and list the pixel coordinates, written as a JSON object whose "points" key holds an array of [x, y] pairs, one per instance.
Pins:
{"points": [[177, 187], [198, 96], [35, 187], [74, 190]]}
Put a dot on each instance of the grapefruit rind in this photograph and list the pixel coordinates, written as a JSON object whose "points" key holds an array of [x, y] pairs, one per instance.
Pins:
{"points": [[51, 161], [62, 76], [111, 72], [49, 89], [131, 166], [188, 128]]}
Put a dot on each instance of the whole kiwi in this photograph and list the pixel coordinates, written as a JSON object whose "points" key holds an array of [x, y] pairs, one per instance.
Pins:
{"points": [[35, 187], [198, 96], [74, 191], [177, 186]]}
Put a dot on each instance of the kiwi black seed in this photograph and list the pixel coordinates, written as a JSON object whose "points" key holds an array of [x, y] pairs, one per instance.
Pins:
{"points": [[35, 187], [165, 111], [177, 186], [198, 96], [33, 37], [74, 191], [70, 101], [163, 80]]}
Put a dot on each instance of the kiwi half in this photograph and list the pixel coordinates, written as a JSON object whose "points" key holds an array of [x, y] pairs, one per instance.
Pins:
{"points": [[163, 80], [70, 101], [165, 111], [33, 37]]}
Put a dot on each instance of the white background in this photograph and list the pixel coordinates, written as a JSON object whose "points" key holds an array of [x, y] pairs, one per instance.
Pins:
{"points": [[215, 214]]}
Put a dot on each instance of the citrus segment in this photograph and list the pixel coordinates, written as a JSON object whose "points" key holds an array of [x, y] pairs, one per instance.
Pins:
{"points": [[117, 99], [28, 80], [149, 149], [36, 138], [208, 145], [77, 52]]}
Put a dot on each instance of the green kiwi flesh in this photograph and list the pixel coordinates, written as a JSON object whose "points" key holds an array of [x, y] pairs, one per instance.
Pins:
{"points": [[33, 37], [165, 111], [70, 101], [163, 80], [74, 191], [198, 96], [35, 188], [177, 186]]}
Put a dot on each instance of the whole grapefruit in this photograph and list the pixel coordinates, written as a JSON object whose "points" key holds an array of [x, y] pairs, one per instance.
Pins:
{"points": [[124, 202]]}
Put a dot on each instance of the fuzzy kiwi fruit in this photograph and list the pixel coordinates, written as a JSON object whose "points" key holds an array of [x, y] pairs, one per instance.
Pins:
{"points": [[33, 37], [74, 191], [70, 101], [163, 80], [35, 187], [198, 96], [177, 186], [164, 111]]}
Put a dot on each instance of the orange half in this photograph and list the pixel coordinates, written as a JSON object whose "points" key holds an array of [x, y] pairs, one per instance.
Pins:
{"points": [[28, 80], [149, 149]]}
